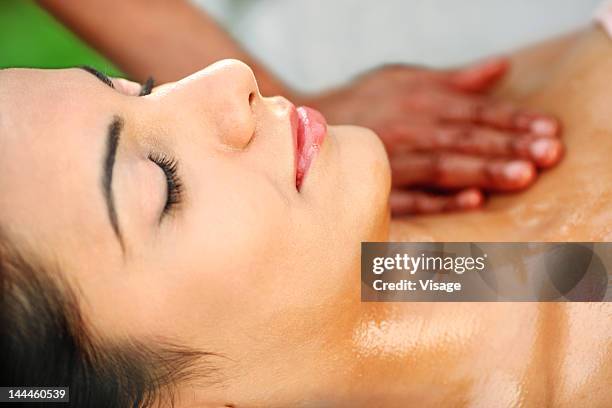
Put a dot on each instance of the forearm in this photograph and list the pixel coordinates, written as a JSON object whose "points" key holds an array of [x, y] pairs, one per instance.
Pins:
{"points": [[164, 39]]}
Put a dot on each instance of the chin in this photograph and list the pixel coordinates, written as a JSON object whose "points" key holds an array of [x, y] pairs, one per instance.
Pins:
{"points": [[368, 175]]}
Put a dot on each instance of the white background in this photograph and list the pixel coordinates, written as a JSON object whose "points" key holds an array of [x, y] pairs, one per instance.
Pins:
{"points": [[313, 44]]}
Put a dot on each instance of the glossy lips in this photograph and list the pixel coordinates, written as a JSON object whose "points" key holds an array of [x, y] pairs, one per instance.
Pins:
{"points": [[311, 131]]}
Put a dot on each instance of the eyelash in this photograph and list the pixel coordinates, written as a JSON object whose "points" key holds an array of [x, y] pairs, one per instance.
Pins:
{"points": [[174, 184]]}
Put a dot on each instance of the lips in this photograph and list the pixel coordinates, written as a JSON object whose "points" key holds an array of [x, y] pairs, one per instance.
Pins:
{"points": [[311, 129]]}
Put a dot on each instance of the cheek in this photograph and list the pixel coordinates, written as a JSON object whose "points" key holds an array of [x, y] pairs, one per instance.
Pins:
{"points": [[240, 212], [212, 266], [228, 237]]}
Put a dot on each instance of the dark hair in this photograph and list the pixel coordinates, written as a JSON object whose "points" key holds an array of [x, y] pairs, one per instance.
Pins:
{"points": [[44, 342]]}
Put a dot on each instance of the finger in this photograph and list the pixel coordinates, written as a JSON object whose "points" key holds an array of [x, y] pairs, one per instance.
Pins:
{"points": [[404, 202], [457, 171], [485, 111], [478, 77], [479, 141]]}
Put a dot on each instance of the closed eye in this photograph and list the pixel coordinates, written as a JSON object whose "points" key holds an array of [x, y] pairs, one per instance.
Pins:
{"points": [[174, 185]]}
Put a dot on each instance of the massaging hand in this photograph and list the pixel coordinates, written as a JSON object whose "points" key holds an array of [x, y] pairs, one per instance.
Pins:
{"points": [[447, 141]]}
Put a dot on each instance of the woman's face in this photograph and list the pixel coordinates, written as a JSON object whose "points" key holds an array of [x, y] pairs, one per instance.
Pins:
{"points": [[233, 261]]}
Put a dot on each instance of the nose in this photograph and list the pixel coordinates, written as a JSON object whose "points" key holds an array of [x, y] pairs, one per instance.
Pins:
{"points": [[224, 95]]}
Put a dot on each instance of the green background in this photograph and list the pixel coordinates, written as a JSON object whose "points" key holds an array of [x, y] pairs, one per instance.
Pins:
{"points": [[30, 37]]}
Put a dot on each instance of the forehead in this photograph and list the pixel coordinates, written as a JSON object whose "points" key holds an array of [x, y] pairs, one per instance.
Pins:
{"points": [[52, 125], [41, 107], [32, 88]]}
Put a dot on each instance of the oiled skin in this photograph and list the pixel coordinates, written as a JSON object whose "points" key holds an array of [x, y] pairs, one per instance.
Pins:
{"points": [[508, 355], [572, 202]]}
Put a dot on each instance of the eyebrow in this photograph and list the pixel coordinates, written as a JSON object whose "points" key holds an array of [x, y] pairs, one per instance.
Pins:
{"points": [[108, 164]]}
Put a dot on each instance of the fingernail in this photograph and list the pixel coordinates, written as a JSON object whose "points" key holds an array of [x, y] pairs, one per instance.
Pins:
{"points": [[469, 199], [519, 172], [545, 152], [544, 127]]}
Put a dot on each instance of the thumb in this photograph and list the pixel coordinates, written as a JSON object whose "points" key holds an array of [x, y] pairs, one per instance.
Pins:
{"points": [[479, 77]]}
